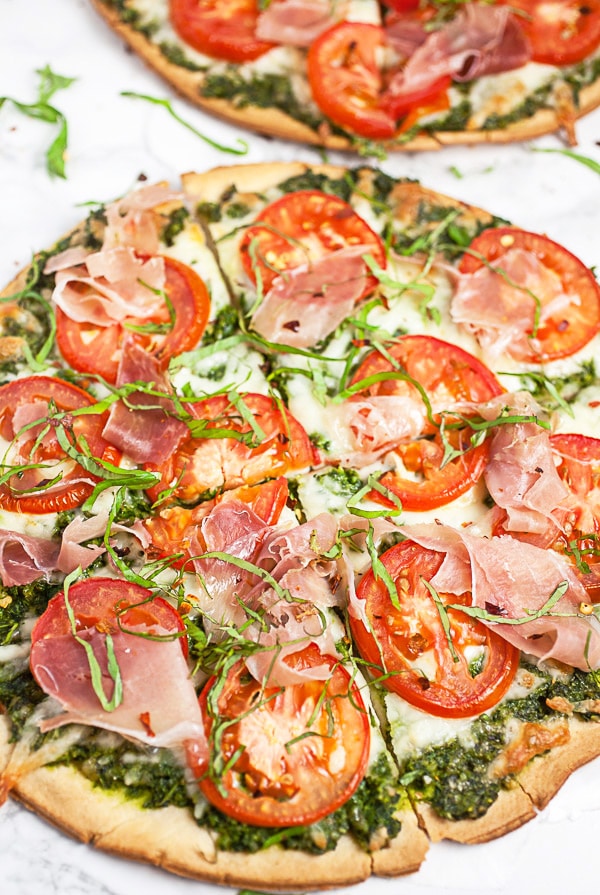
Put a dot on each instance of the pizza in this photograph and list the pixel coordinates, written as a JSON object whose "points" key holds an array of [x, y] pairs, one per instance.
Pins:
{"points": [[300, 502], [375, 77]]}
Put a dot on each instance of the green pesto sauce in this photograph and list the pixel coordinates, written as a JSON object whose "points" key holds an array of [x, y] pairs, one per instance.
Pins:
{"points": [[313, 180], [371, 808], [157, 781], [264, 90], [451, 239], [341, 482], [132, 17], [225, 324], [175, 225], [174, 54], [453, 778]]}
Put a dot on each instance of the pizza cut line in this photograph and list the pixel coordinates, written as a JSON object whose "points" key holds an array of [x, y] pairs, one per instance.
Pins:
{"points": [[299, 512], [400, 75]]}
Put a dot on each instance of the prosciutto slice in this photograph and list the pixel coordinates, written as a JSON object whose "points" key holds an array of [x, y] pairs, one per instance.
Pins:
{"points": [[377, 424], [510, 579], [297, 22], [158, 709], [124, 278], [24, 558], [291, 559], [480, 40], [521, 472], [499, 308], [144, 428], [307, 303], [109, 286]]}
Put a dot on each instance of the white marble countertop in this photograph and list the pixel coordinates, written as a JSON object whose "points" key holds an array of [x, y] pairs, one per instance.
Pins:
{"points": [[113, 140]]}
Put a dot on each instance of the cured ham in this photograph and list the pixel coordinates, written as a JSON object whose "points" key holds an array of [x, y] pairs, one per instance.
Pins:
{"points": [[297, 22], [305, 304], [375, 425], [123, 279], [498, 303], [512, 579], [158, 709], [24, 558], [110, 286], [144, 426], [480, 40], [521, 472], [289, 587]]}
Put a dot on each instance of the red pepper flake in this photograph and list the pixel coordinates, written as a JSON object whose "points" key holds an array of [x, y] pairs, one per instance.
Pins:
{"points": [[145, 719]]}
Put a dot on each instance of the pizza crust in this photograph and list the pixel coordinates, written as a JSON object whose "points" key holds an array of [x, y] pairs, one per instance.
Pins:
{"points": [[275, 123], [511, 810], [544, 776], [171, 839]]}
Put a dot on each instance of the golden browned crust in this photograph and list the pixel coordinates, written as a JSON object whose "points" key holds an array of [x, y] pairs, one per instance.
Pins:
{"points": [[512, 809], [406, 852], [277, 124], [544, 776], [171, 839]]}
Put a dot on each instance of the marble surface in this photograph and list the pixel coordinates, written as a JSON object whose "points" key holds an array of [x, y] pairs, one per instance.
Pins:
{"points": [[112, 141]]}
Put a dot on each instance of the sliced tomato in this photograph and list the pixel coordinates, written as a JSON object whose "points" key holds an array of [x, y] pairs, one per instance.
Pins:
{"points": [[96, 349], [32, 491], [108, 604], [346, 79], [569, 328], [431, 98], [403, 5], [450, 377], [561, 32], [303, 227], [291, 755], [207, 464], [223, 29], [173, 527], [456, 674]]}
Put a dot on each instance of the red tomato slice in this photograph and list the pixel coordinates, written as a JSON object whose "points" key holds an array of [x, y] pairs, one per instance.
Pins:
{"points": [[282, 776], [431, 98], [172, 528], [224, 29], [413, 647], [403, 5], [568, 329], [25, 492], [96, 349], [449, 376], [346, 79], [109, 604], [204, 465], [303, 227], [561, 32]]}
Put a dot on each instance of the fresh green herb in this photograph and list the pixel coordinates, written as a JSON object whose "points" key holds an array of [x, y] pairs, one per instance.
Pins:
{"points": [[590, 163], [112, 666], [166, 104], [50, 83]]}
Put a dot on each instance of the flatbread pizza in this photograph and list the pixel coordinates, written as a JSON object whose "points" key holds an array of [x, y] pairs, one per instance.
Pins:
{"points": [[365, 76], [298, 526]]}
